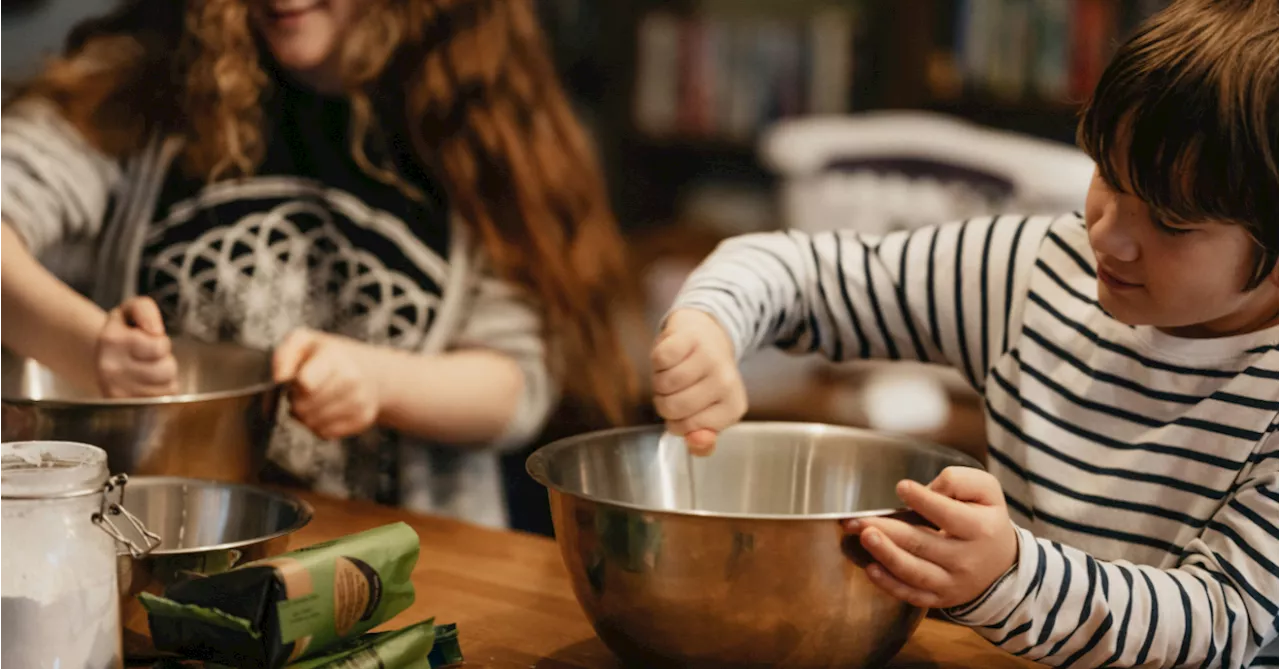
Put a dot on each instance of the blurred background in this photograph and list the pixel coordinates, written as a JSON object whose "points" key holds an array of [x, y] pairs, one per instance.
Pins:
{"points": [[719, 117]]}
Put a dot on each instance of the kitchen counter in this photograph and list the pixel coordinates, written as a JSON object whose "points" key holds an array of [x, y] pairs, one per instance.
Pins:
{"points": [[514, 606]]}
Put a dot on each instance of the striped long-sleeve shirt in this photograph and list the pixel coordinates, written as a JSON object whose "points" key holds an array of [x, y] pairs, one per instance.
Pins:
{"points": [[1140, 469]]}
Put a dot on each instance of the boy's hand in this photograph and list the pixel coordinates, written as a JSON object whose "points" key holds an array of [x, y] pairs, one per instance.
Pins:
{"points": [[696, 384], [974, 545], [135, 356], [331, 393]]}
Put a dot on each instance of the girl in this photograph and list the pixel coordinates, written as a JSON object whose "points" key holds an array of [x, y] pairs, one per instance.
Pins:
{"points": [[393, 194]]}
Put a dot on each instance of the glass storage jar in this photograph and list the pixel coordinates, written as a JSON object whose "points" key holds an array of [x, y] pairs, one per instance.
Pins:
{"points": [[58, 547]]}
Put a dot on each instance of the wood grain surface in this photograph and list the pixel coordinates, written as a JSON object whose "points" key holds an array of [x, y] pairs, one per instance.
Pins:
{"points": [[514, 606]]}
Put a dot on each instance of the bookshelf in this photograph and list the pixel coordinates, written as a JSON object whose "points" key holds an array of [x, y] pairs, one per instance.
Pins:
{"points": [[679, 90]]}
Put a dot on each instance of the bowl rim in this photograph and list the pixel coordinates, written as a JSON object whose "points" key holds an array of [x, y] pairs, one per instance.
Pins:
{"points": [[264, 387], [536, 466], [260, 387], [306, 512]]}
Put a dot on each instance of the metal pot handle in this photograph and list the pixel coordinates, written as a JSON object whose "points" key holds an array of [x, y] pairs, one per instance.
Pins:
{"points": [[116, 508]]}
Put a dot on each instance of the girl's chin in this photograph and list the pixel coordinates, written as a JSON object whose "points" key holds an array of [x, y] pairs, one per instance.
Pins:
{"points": [[300, 58]]}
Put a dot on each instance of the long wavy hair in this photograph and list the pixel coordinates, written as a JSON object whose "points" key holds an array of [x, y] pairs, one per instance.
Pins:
{"points": [[481, 103]]}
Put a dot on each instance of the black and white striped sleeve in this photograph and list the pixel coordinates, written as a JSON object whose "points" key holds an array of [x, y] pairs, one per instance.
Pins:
{"points": [[1217, 607], [946, 294]]}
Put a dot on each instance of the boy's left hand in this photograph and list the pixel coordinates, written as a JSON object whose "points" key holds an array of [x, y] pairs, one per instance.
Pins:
{"points": [[331, 393], [974, 545]]}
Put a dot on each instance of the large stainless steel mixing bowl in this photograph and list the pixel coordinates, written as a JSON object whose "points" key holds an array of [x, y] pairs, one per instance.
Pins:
{"points": [[216, 426], [758, 573], [206, 527]]}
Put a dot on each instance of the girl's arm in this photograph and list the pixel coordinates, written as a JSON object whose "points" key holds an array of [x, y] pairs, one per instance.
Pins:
{"points": [[462, 397], [45, 319], [55, 186], [491, 388], [121, 353]]}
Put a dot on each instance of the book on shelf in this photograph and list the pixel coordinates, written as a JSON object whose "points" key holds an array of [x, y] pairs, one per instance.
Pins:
{"points": [[1045, 51], [727, 77]]}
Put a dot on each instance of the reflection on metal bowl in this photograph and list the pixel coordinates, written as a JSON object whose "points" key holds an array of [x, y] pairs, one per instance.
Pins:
{"points": [[758, 573], [216, 427], [206, 527]]}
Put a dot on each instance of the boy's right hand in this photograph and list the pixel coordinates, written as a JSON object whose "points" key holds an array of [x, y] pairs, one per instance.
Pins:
{"points": [[697, 387], [135, 356]]}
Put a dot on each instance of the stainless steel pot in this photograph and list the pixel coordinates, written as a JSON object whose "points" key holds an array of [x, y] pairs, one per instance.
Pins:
{"points": [[759, 573], [206, 527], [216, 427]]}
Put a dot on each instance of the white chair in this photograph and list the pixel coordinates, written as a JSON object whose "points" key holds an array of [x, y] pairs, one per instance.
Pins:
{"points": [[884, 171], [936, 165]]}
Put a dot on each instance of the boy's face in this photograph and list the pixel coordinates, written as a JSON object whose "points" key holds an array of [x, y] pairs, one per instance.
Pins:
{"points": [[1185, 278]]}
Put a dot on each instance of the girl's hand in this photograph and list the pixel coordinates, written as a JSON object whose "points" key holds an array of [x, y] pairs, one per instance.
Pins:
{"points": [[953, 565], [134, 356], [696, 384], [332, 393]]}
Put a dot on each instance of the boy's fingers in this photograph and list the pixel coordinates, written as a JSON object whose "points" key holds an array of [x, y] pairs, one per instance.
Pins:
{"points": [[687, 402], [881, 578], [910, 569], [701, 442], [716, 418], [683, 375], [967, 484], [672, 350], [954, 517], [925, 543]]}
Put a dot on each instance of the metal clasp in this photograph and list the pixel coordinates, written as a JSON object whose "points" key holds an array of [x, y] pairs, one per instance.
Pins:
{"points": [[109, 508]]}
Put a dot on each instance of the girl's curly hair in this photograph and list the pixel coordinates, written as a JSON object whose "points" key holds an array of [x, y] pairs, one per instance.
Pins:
{"points": [[482, 105]]}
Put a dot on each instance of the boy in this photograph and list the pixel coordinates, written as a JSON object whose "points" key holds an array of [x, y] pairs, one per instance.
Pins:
{"points": [[1127, 357]]}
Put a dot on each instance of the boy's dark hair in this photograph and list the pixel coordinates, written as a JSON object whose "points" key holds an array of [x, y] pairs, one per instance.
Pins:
{"points": [[1188, 107]]}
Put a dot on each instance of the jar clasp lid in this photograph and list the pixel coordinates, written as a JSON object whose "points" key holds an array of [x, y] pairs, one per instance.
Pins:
{"points": [[109, 508]]}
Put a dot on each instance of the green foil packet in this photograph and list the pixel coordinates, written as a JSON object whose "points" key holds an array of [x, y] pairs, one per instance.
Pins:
{"points": [[402, 649], [269, 613], [414, 647], [446, 651]]}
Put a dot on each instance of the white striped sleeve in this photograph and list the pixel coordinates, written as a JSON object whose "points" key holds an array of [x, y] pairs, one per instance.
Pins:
{"points": [[947, 294], [1218, 607], [54, 184]]}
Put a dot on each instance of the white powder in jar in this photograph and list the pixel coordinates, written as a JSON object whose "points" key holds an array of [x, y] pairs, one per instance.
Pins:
{"points": [[36, 635], [59, 601]]}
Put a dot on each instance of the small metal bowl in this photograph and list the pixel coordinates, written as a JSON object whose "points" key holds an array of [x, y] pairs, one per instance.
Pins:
{"points": [[206, 527], [758, 573]]}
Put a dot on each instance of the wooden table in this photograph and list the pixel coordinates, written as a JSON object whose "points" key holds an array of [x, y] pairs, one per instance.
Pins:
{"points": [[512, 600]]}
